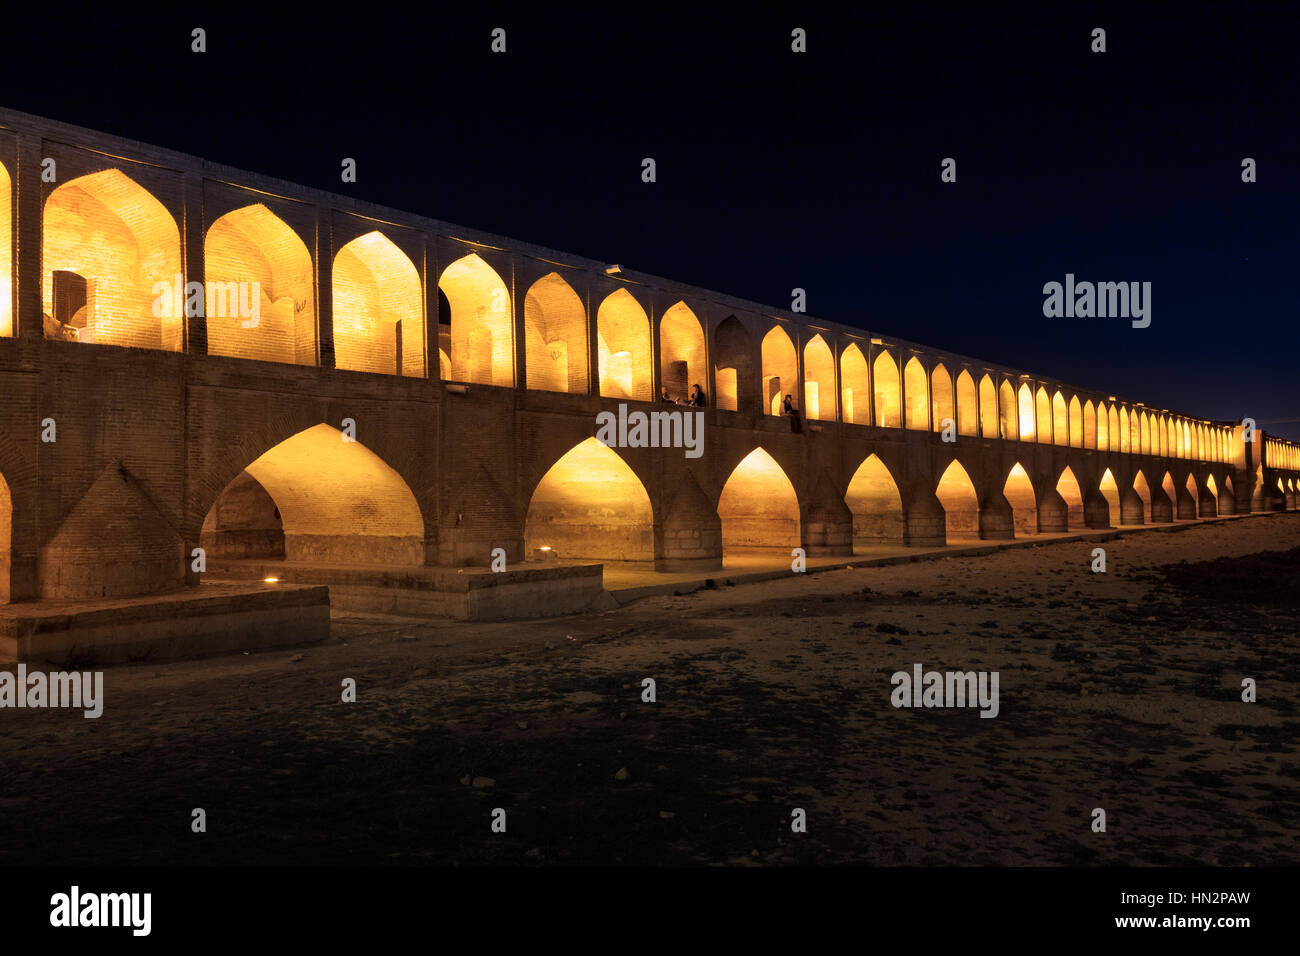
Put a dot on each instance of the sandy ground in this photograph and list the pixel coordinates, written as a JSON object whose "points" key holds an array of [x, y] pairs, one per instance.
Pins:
{"points": [[1117, 690]]}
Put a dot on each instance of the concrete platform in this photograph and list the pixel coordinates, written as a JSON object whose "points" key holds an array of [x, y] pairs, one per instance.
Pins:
{"points": [[467, 594], [210, 619]]}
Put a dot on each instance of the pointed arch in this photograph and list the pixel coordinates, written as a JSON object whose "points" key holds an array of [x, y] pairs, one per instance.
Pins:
{"points": [[888, 398], [855, 388], [378, 308], [916, 395], [106, 242], [681, 352], [941, 402], [555, 337], [1043, 410], [1144, 433], [1067, 486], [877, 505], [1143, 491], [1089, 425], [1019, 492], [623, 347], [956, 494], [1076, 422], [733, 369], [6, 539], [758, 507], [6, 260], [1060, 420], [968, 422], [1009, 418], [818, 380], [989, 425], [1026, 413], [780, 371], [1109, 489], [480, 338]]}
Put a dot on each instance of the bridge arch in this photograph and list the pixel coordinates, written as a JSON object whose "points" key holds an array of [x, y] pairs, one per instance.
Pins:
{"points": [[887, 394], [1068, 488], [253, 258], [480, 340], [988, 399], [780, 371], [1009, 418], [555, 337], [1108, 487], [591, 504], [733, 366], [941, 398], [916, 395], [106, 242], [968, 422], [855, 387], [681, 352], [1043, 410], [316, 498], [876, 503], [759, 508], [378, 308], [6, 539], [960, 502], [818, 379], [1025, 413], [6, 254], [1060, 420], [1019, 493]]}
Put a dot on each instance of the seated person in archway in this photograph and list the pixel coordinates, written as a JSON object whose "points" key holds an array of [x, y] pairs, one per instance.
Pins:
{"points": [[796, 424], [698, 397], [665, 397]]}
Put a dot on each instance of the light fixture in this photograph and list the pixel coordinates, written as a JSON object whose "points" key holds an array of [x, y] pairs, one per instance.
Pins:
{"points": [[271, 580], [614, 270]]}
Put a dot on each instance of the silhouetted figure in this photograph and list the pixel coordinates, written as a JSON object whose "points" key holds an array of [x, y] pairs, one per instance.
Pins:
{"points": [[665, 397], [698, 397], [796, 422]]}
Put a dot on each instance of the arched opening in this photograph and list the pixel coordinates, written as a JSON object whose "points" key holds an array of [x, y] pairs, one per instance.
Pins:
{"points": [[480, 340], [591, 505], [681, 352], [1077, 425], [1228, 500], [855, 402], [956, 493], [915, 394], [107, 243], [1212, 488], [1135, 433], [1144, 492], [1067, 486], [378, 308], [968, 419], [818, 379], [733, 351], [941, 402], [1170, 489], [1110, 491], [6, 533], [6, 255], [317, 499], [1060, 421], [877, 506], [1019, 492], [1144, 433], [780, 370], [1026, 413], [758, 508], [253, 260], [1009, 418], [1103, 428], [989, 409], [1043, 407], [555, 337], [887, 396], [1112, 439]]}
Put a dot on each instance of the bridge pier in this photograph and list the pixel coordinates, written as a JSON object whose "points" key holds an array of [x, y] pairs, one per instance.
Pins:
{"points": [[1053, 512], [1130, 507], [924, 521], [1186, 504], [996, 519], [1096, 509]]}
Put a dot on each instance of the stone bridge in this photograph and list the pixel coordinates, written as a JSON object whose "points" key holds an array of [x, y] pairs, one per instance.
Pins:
{"points": [[186, 350]]}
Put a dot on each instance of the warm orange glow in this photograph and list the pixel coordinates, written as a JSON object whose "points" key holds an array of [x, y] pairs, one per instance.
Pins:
{"points": [[941, 401], [916, 395], [623, 347], [1110, 491], [1102, 427], [780, 370], [855, 389], [725, 387], [758, 507], [681, 352], [253, 245], [989, 408], [1026, 413], [6, 261], [378, 308], [271, 580], [555, 336], [591, 505], [968, 422], [733, 364], [1009, 416], [1076, 423], [1089, 424], [1144, 492], [819, 379], [332, 501], [1043, 407], [110, 242], [481, 340], [1019, 492], [956, 492], [1067, 486], [1060, 421], [886, 391], [877, 506], [6, 526]]}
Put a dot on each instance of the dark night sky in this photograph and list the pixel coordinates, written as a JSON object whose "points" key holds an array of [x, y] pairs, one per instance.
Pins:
{"points": [[779, 170]]}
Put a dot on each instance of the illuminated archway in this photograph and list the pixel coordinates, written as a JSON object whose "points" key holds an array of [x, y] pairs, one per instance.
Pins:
{"points": [[480, 340], [1110, 491], [758, 507], [733, 354], [1144, 434], [1113, 435], [989, 408], [555, 337], [1135, 433], [916, 395], [1019, 492], [1102, 428], [106, 243], [1043, 408], [1060, 421], [6, 532], [887, 397], [1009, 417], [1211, 487], [591, 505], [1026, 412], [1067, 486], [681, 352], [956, 493], [967, 405], [941, 402], [252, 259], [6, 254], [855, 401], [1144, 492], [315, 498], [780, 370], [378, 308], [818, 379], [1077, 427], [877, 506]]}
